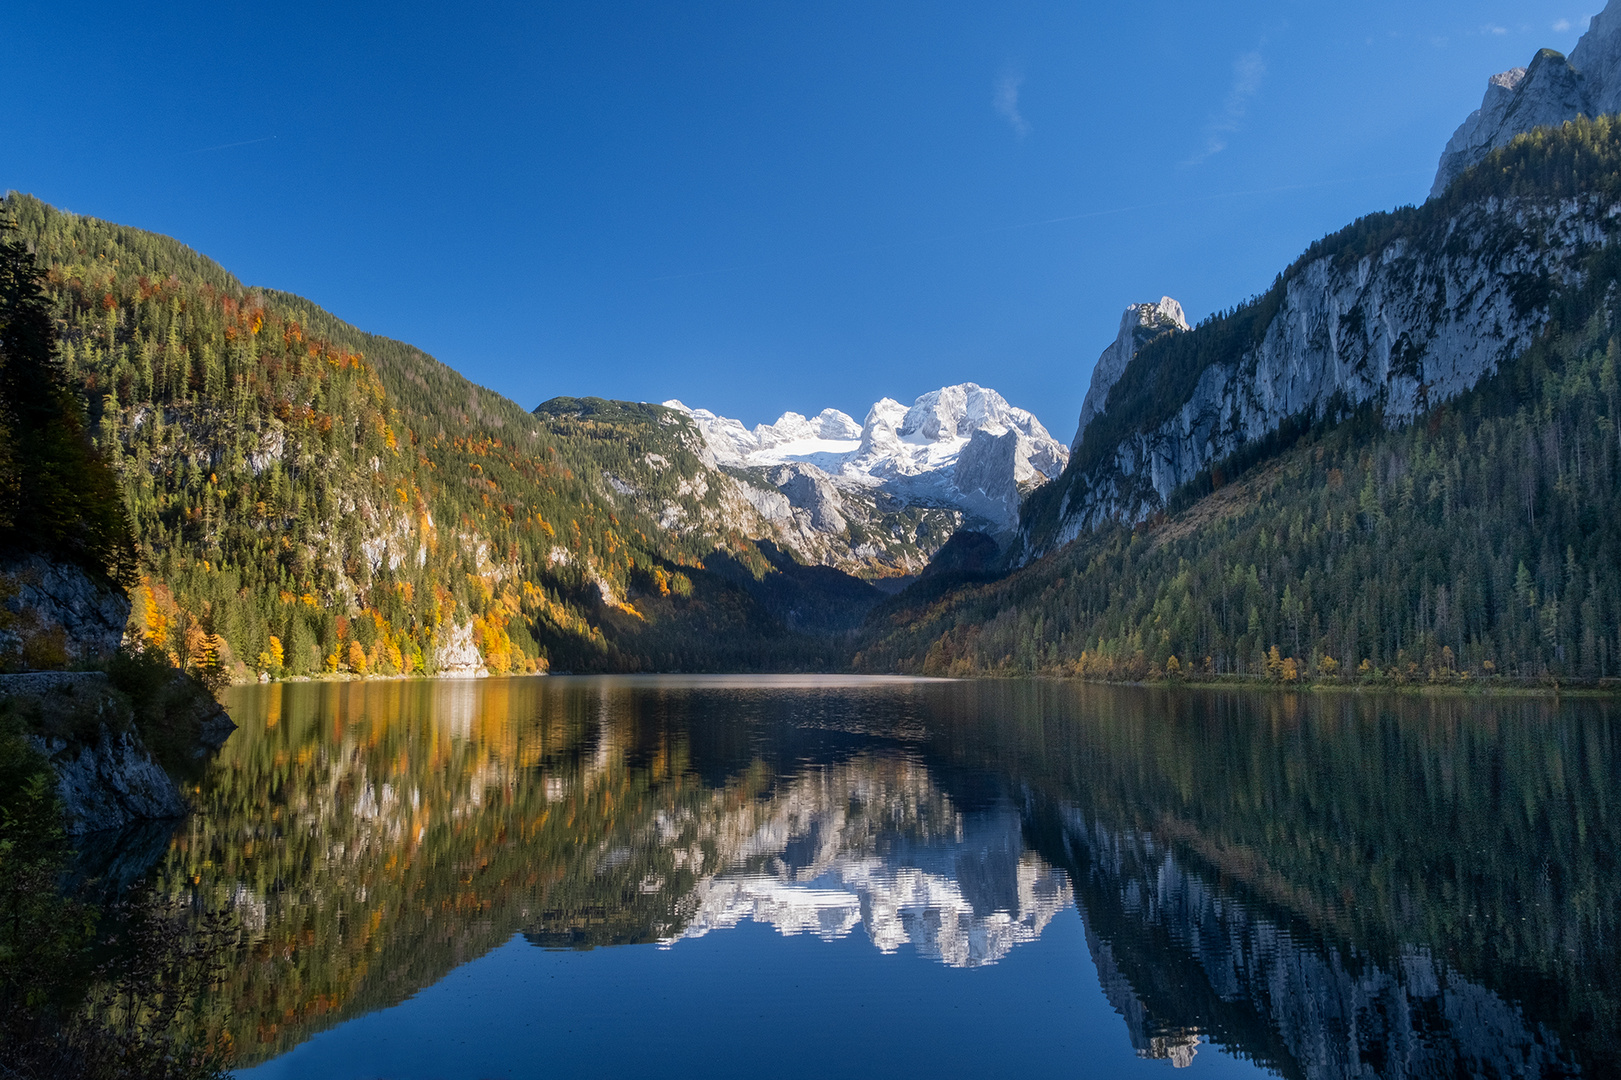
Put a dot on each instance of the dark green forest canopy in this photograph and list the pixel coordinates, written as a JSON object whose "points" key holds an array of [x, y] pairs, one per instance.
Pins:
{"points": [[57, 495]]}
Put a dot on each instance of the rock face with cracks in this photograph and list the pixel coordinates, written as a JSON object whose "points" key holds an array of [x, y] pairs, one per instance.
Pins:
{"points": [[1423, 318], [58, 608], [107, 777]]}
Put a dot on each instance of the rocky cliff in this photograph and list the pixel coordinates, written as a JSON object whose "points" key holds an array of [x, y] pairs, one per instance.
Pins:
{"points": [[1549, 92], [1140, 324], [1400, 312], [54, 613], [90, 730]]}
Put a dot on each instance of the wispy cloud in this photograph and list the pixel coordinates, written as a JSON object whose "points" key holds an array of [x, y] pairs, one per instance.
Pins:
{"points": [[227, 146], [1006, 102], [1561, 26], [1248, 71], [1493, 28]]}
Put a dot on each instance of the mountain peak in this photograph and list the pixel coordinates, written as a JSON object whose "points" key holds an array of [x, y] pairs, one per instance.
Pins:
{"points": [[1140, 324], [1549, 91], [963, 447]]}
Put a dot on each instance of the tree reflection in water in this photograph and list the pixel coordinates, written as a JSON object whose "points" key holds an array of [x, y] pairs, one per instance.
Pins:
{"points": [[1331, 886]]}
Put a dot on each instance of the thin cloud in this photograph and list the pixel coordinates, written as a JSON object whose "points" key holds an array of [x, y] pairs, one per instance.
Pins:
{"points": [[1248, 71], [1493, 28], [1561, 26], [226, 146], [1006, 102]]}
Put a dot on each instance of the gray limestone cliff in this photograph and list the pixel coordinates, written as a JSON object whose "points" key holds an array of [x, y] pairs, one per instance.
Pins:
{"points": [[1598, 57], [89, 725], [1433, 306], [1549, 92], [456, 655], [1140, 324]]}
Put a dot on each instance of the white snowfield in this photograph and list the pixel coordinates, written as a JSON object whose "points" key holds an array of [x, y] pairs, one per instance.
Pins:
{"points": [[961, 447], [894, 905]]}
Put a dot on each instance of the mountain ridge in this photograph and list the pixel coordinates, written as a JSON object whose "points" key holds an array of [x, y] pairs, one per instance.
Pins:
{"points": [[310, 499], [1546, 93], [1400, 310]]}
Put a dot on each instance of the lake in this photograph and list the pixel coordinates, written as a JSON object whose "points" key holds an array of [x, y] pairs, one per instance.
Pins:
{"points": [[690, 876]]}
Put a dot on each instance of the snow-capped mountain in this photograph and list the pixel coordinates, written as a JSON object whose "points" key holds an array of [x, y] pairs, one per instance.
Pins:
{"points": [[960, 447]]}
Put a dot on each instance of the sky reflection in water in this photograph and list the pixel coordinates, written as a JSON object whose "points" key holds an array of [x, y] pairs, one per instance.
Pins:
{"points": [[1100, 881]]}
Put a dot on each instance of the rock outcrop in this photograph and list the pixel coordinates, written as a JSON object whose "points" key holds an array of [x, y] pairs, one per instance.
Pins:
{"points": [[456, 655], [1598, 57], [1549, 92], [106, 776], [1140, 324], [58, 615], [110, 783], [810, 489]]}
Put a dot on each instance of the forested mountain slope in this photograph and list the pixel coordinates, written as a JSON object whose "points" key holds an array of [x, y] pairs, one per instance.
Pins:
{"points": [[307, 497], [1400, 312], [1411, 539]]}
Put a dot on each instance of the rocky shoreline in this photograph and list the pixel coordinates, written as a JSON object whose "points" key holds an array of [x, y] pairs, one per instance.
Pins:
{"points": [[90, 732]]}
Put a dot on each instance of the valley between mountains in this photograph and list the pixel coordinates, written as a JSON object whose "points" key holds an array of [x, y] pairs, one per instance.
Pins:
{"points": [[1400, 462]]}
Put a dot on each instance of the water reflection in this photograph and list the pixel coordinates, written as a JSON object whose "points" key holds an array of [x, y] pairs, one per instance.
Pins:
{"points": [[1179, 955], [873, 843], [1329, 887]]}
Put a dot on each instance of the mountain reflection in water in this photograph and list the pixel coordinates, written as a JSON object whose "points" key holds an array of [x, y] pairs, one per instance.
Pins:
{"points": [[873, 843], [1329, 886]]}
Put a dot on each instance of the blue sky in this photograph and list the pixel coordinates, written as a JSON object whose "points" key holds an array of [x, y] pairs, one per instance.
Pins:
{"points": [[757, 206]]}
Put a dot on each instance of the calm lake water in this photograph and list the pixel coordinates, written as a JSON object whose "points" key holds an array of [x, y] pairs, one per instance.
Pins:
{"points": [[840, 877]]}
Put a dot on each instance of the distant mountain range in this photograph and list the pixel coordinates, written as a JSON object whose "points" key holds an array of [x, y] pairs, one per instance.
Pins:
{"points": [[960, 447]]}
